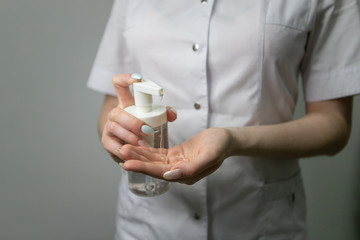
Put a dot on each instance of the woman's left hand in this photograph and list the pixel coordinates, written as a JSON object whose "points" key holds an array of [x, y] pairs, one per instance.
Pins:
{"points": [[185, 163], [325, 129]]}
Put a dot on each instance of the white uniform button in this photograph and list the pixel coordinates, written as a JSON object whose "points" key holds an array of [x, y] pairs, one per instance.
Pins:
{"points": [[197, 106], [195, 47], [203, 1]]}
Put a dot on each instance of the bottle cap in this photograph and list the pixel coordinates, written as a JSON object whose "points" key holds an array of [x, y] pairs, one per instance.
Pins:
{"points": [[153, 115], [143, 94]]}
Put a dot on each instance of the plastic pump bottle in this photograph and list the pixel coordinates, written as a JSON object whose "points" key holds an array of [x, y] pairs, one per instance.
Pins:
{"points": [[154, 116]]}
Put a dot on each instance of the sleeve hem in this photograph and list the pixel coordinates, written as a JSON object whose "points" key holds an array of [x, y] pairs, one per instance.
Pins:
{"points": [[100, 81], [332, 85]]}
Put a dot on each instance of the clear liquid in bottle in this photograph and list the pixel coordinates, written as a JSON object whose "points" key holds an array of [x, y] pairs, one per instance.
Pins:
{"points": [[144, 185]]}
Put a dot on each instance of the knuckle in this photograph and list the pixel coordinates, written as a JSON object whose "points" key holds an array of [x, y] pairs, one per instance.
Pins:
{"points": [[133, 139], [125, 150], [114, 113], [120, 79], [112, 126], [115, 78], [136, 125]]}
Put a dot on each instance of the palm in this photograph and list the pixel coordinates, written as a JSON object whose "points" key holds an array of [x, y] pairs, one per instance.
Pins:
{"points": [[197, 157]]}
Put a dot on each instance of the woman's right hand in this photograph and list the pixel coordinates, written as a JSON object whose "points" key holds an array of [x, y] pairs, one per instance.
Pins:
{"points": [[119, 126]]}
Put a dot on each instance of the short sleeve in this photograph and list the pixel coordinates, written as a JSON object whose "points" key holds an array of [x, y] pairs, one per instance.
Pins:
{"points": [[109, 61], [331, 67]]}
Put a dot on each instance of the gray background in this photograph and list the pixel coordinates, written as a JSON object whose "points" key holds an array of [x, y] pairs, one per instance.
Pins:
{"points": [[56, 182]]}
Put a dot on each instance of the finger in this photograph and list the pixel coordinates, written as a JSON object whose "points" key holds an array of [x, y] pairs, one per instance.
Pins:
{"points": [[192, 169], [125, 135], [130, 152], [121, 84], [147, 154], [113, 146], [129, 122], [171, 114], [148, 168]]}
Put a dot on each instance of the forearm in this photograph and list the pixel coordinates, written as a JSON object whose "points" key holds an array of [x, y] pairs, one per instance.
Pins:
{"points": [[317, 133]]}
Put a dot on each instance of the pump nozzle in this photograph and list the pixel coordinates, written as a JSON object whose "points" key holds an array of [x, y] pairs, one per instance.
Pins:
{"points": [[143, 92]]}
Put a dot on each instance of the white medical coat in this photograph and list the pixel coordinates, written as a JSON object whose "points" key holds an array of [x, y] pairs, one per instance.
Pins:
{"points": [[229, 63]]}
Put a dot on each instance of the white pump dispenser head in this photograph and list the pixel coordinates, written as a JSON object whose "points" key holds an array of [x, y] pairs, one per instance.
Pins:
{"points": [[144, 109], [143, 92]]}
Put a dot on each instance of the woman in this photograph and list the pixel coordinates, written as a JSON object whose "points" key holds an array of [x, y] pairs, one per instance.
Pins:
{"points": [[231, 71]]}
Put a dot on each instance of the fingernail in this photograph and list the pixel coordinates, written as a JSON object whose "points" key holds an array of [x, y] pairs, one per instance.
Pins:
{"points": [[173, 110], [173, 174], [146, 129], [136, 76], [121, 164], [143, 143]]}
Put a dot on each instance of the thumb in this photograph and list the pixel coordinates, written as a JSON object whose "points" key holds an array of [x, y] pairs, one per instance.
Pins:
{"points": [[173, 174], [180, 170], [193, 170], [121, 83], [180, 175]]}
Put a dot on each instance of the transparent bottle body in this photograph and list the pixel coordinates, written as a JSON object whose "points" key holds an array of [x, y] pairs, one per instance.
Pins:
{"points": [[144, 185]]}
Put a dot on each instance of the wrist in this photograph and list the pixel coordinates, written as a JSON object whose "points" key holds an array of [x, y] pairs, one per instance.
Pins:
{"points": [[229, 143], [223, 144], [240, 141]]}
